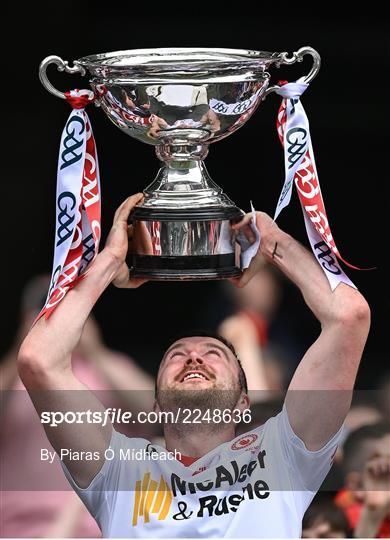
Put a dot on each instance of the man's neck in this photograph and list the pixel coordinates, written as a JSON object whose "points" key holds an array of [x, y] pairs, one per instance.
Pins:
{"points": [[196, 442]]}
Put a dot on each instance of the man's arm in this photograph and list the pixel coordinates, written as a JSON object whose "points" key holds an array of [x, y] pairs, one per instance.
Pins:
{"points": [[320, 392], [44, 360]]}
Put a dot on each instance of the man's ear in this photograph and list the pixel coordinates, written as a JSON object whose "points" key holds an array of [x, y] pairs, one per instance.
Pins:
{"points": [[243, 402]]}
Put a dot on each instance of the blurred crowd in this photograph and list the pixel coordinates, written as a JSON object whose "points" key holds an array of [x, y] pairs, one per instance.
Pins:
{"points": [[354, 500]]}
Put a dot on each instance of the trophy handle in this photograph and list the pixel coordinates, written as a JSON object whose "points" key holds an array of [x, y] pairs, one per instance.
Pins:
{"points": [[298, 57], [62, 65]]}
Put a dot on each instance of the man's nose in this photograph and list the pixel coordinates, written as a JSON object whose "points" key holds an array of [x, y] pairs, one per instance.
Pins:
{"points": [[194, 358]]}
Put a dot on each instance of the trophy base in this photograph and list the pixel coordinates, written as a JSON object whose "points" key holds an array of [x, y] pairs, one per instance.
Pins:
{"points": [[184, 268], [177, 244]]}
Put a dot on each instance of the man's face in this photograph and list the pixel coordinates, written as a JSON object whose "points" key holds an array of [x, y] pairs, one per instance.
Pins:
{"points": [[198, 363], [198, 372], [372, 449]]}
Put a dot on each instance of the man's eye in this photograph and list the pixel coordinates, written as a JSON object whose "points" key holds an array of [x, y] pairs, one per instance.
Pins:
{"points": [[213, 351], [177, 353]]}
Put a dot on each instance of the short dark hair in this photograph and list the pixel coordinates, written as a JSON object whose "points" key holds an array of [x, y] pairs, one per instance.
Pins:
{"points": [[207, 333], [354, 454], [325, 509]]}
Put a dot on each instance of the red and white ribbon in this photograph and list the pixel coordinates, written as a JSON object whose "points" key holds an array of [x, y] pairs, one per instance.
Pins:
{"points": [[77, 232], [294, 134]]}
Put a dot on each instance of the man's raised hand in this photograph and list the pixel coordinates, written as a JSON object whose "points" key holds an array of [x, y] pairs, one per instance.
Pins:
{"points": [[268, 233], [117, 243]]}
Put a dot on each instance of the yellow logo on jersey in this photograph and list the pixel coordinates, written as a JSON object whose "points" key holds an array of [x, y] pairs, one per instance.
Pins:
{"points": [[151, 497]]}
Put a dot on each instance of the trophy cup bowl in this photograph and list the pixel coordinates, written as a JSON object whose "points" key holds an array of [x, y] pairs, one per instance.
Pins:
{"points": [[181, 100]]}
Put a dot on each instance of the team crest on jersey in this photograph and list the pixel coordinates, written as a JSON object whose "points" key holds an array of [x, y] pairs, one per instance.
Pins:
{"points": [[244, 441]]}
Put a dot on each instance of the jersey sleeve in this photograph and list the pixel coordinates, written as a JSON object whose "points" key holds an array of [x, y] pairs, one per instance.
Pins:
{"points": [[307, 469]]}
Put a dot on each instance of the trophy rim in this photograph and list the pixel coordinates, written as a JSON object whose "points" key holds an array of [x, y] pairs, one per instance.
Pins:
{"points": [[174, 56]]}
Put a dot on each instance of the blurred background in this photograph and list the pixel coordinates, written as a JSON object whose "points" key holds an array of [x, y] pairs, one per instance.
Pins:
{"points": [[267, 321]]}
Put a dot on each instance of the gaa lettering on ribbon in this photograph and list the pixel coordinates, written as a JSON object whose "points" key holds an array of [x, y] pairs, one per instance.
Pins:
{"points": [[326, 259], [88, 253], [78, 237], [293, 102], [306, 180], [54, 279], [66, 204], [217, 506], [69, 272], [78, 206], [95, 226], [57, 296], [71, 142], [294, 134], [90, 184], [296, 139], [67, 276], [319, 218]]}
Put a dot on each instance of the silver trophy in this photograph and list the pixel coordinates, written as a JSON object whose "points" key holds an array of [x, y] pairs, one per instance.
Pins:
{"points": [[181, 100]]}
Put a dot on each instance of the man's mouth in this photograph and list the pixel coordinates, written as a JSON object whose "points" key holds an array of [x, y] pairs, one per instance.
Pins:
{"points": [[194, 375]]}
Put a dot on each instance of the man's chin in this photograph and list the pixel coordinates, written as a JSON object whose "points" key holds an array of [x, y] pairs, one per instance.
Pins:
{"points": [[203, 395]]}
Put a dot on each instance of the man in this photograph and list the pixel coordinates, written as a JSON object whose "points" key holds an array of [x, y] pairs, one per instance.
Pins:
{"points": [[255, 485], [366, 464]]}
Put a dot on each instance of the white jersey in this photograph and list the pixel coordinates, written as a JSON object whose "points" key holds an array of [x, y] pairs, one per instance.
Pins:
{"points": [[257, 485]]}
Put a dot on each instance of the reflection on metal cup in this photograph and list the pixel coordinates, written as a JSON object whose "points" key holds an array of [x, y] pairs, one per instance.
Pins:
{"points": [[180, 101]]}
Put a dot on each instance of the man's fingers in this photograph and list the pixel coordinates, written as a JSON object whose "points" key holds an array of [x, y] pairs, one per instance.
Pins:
{"points": [[245, 227], [249, 233], [379, 466], [134, 283], [263, 220], [122, 277], [244, 221], [130, 283], [125, 208], [382, 466], [123, 280]]}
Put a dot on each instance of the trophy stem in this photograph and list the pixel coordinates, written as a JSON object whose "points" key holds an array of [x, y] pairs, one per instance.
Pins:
{"points": [[183, 184], [183, 230], [183, 171], [183, 175]]}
